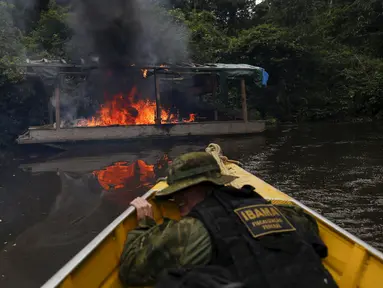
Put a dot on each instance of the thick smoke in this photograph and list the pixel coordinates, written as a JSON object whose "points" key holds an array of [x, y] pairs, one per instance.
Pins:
{"points": [[121, 33], [23, 10], [125, 32]]}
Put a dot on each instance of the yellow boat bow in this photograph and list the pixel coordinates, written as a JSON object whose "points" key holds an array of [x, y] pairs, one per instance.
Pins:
{"points": [[352, 262]]}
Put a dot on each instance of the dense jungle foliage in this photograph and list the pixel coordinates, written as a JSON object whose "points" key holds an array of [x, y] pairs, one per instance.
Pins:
{"points": [[324, 57]]}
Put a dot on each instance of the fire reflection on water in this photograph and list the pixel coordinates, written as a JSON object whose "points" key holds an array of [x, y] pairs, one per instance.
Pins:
{"points": [[122, 180], [85, 204]]}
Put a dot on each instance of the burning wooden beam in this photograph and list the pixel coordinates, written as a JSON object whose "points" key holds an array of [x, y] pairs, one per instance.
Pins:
{"points": [[158, 99]]}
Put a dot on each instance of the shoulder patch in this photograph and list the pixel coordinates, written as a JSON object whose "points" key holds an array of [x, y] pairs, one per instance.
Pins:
{"points": [[263, 219]]}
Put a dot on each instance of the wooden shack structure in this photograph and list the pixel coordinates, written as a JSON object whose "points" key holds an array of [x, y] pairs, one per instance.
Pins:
{"points": [[54, 132]]}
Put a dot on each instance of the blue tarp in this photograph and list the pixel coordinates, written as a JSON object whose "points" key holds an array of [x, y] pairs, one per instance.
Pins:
{"points": [[260, 76], [265, 77]]}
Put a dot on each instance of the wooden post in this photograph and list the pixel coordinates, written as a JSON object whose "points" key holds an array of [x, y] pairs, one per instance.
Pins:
{"points": [[57, 96], [244, 103], [214, 78], [158, 99], [50, 108]]}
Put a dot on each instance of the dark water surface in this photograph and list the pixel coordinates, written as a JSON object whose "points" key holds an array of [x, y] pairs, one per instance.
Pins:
{"points": [[52, 204]]}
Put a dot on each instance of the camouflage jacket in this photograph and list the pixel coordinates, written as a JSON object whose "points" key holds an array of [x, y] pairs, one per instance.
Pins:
{"points": [[151, 249]]}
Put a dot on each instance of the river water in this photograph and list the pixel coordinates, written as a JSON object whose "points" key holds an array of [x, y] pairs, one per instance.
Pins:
{"points": [[53, 203]]}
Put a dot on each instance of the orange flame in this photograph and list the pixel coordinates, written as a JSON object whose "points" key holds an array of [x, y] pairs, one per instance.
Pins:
{"points": [[117, 175], [123, 181], [120, 174], [145, 71], [123, 111]]}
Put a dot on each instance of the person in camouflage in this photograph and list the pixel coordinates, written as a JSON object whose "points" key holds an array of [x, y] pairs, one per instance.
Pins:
{"points": [[197, 186]]}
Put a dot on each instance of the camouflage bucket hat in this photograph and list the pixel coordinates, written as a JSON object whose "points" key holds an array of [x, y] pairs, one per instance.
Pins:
{"points": [[191, 169]]}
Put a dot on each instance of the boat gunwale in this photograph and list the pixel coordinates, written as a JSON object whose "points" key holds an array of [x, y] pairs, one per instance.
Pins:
{"points": [[356, 240], [72, 264]]}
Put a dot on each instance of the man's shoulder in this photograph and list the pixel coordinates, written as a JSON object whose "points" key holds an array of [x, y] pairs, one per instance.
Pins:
{"points": [[298, 215], [188, 226], [180, 233], [191, 223]]}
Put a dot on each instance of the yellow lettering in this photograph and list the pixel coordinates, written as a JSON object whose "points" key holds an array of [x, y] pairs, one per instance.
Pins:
{"points": [[244, 215], [250, 214], [271, 226], [261, 222], [267, 221], [274, 212], [258, 223], [266, 211], [258, 213]]}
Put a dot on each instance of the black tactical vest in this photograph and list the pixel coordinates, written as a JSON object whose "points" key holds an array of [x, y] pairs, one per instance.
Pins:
{"points": [[259, 244]]}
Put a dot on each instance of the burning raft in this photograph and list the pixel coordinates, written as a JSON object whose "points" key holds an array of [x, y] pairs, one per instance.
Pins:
{"points": [[123, 112]]}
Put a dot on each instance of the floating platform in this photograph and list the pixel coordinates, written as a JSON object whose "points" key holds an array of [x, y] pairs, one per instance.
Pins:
{"points": [[46, 135]]}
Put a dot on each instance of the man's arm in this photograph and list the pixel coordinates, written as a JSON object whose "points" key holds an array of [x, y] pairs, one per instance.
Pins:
{"points": [[151, 248]]}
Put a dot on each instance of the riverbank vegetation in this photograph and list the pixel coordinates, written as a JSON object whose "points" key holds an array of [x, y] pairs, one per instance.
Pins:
{"points": [[324, 57]]}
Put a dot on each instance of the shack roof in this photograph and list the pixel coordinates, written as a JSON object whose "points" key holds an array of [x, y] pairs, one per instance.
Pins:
{"points": [[50, 69]]}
